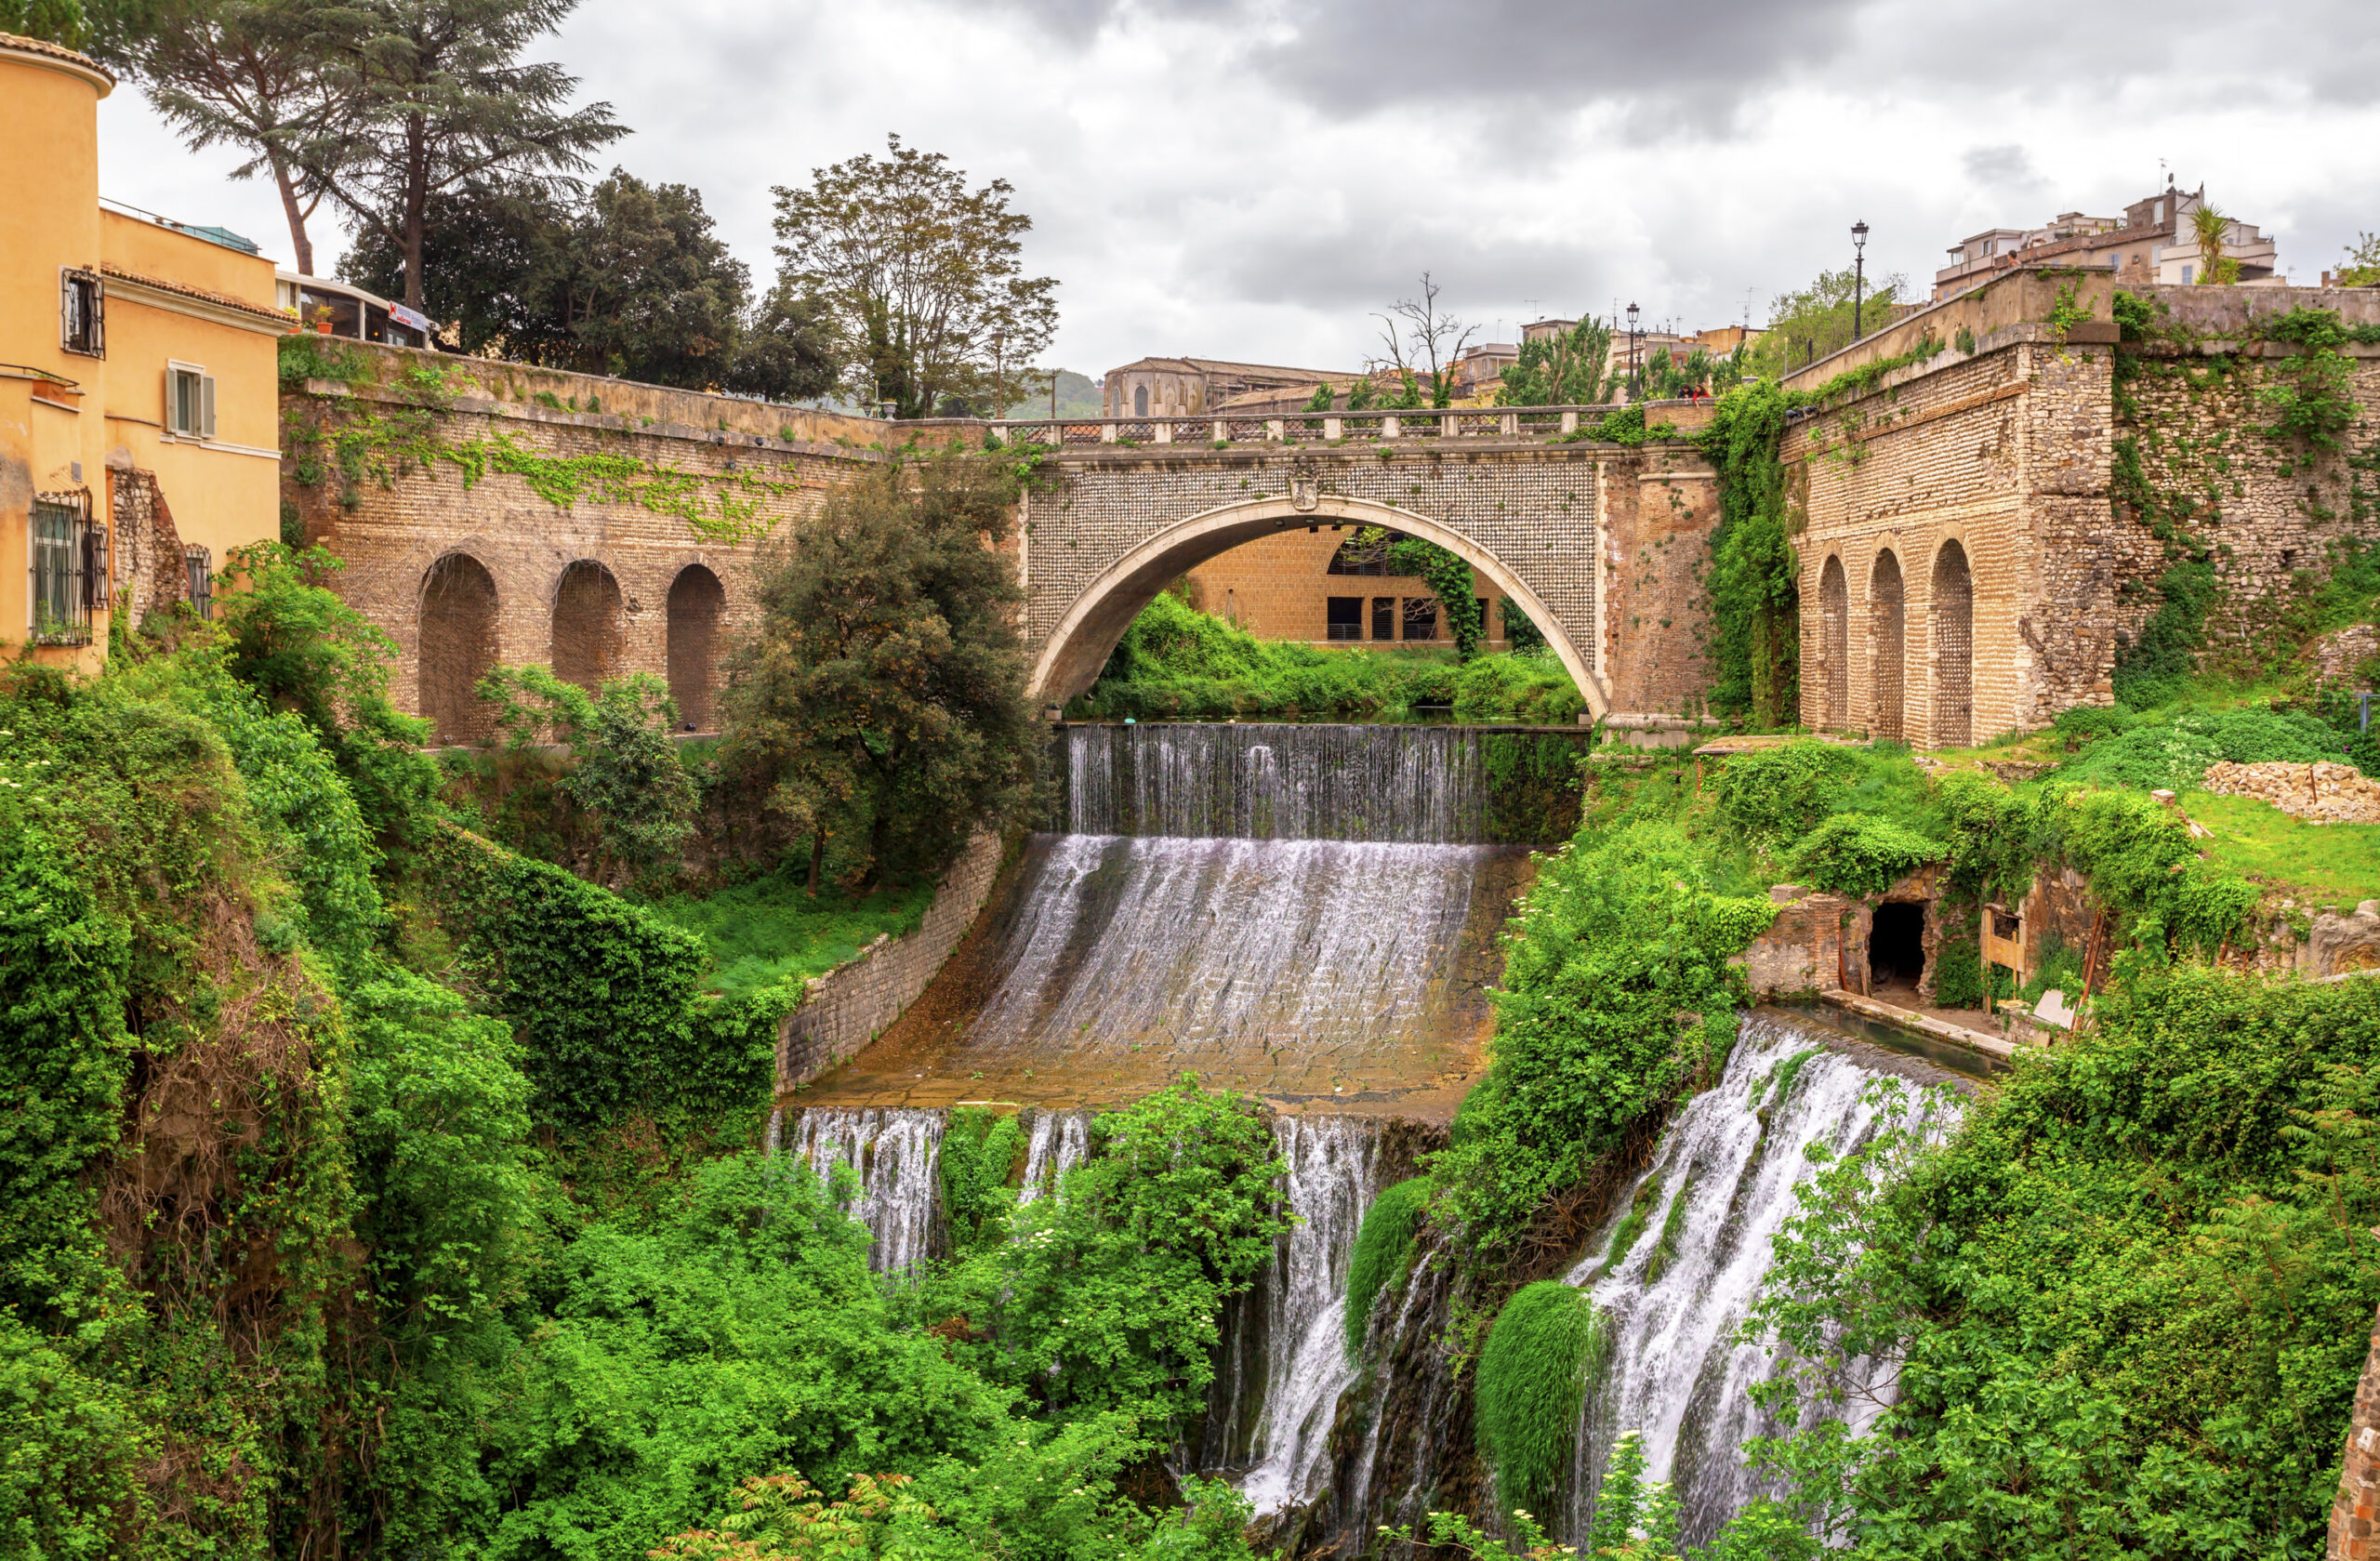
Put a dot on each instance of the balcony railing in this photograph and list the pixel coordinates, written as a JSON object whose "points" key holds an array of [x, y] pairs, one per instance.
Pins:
{"points": [[1535, 424]]}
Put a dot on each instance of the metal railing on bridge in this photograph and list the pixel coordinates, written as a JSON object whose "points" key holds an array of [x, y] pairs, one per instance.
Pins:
{"points": [[1535, 424]]}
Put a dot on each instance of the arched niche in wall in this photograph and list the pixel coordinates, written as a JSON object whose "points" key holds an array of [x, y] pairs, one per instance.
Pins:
{"points": [[1835, 645], [1886, 644], [1953, 648], [589, 630], [697, 601], [458, 646]]}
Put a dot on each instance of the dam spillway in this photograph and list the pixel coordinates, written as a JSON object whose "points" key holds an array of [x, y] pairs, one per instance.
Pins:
{"points": [[1307, 913]]}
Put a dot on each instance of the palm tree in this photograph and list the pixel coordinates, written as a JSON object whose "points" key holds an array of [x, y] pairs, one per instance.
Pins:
{"points": [[2210, 227]]}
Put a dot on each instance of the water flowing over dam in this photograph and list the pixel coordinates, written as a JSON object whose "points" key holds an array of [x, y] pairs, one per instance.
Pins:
{"points": [[1310, 914], [1262, 932]]}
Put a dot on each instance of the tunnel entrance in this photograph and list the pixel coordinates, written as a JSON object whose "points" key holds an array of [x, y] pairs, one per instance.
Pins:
{"points": [[1897, 944]]}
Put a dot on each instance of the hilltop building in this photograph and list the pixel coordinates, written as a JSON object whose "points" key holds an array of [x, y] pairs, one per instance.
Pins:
{"points": [[1186, 387], [139, 414], [2151, 244]]}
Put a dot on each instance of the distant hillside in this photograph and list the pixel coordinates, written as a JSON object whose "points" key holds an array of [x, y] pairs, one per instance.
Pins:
{"points": [[1077, 397]]}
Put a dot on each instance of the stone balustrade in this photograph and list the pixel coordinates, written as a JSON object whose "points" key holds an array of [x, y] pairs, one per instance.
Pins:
{"points": [[1541, 424]]}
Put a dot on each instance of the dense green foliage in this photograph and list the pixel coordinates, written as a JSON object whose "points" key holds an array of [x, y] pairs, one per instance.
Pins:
{"points": [[626, 772], [880, 705], [772, 933], [1109, 1296], [1567, 368], [2132, 1292], [1175, 663], [1383, 1253], [1547, 1343], [1617, 994], [1756, 649]]}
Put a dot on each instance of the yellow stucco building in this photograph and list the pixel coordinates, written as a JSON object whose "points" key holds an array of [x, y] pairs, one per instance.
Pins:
{"points": [[138, 385]]}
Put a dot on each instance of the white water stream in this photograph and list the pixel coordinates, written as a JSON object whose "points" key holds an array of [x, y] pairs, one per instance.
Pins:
{"points": [[1283, 1381], [1676, 1373], [894, 1150]]}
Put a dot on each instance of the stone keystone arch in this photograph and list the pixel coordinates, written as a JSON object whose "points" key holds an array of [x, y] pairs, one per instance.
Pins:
{"points": [[1085, 635]]}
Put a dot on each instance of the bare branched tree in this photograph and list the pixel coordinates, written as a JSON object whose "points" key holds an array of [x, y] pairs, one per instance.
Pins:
{"points": [[1423, 340]]}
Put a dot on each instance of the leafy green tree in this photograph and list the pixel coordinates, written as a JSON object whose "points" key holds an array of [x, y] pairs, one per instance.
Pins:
{"points": [[53, 21], [2360, 263], [880, 701], [1569, 369], [626, 771], [1111, 1297], [918, 274], [2209, 230], [250, 74], [289, 636], [1809, 323], [491, 249], [445, 101]]}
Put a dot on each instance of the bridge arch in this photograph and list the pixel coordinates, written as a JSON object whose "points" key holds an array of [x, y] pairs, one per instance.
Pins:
{"points": [[1086, 634]]}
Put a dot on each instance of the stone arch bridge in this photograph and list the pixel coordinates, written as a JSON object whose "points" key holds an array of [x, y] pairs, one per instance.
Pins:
{"points": [[600, 527], [1604, 544]]}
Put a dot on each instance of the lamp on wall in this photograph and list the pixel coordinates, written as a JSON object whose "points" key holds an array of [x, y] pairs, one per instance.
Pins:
{"points": [[1634, 386], [1858, 273]]}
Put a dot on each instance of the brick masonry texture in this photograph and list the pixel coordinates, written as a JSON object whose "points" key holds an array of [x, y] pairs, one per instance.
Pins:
{"points": [[2008, 453], [857, 1000], [590, 584], [2355, 1515], [1570, 522], [1279, 588]]}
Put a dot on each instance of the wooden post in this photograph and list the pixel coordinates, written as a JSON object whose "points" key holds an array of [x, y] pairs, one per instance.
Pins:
{"points": [[1983, 949]]}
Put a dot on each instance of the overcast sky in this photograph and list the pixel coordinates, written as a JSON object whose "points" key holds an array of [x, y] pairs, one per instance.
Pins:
{"points": [[1246, 179]]}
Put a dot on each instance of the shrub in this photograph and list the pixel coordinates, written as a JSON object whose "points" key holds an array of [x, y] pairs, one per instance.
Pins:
{"points": [[1774, 795], [1383, 1250], [1861, 855], [1548, 1342], [626, 772], [2133, 1285]]}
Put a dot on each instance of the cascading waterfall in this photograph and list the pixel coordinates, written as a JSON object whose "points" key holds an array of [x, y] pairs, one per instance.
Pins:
{"points": [[1285, 1358], [1415, 785], [894, 1150], [1723, 1177], [1056, 1143]]}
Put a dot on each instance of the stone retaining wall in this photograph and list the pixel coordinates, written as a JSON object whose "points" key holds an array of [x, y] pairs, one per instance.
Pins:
{"points": [[2318, 793], [2357, 1508], [854, 1002]]}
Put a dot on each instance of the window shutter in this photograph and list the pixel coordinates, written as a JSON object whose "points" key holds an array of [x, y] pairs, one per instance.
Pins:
{"points": [[173, 402], [206, 395]]}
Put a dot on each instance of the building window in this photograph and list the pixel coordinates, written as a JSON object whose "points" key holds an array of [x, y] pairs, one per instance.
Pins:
{"points": [[190, 400], [1483, 620], [1384, 617], [69, 560], [1345, 615], [200, 564], [1420, 617], [1140, 401], [82, 313], [2190, 275]]}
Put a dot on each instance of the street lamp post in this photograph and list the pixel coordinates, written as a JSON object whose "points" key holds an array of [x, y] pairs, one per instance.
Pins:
{"points": [[1634, 385], [1859, 274]]}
